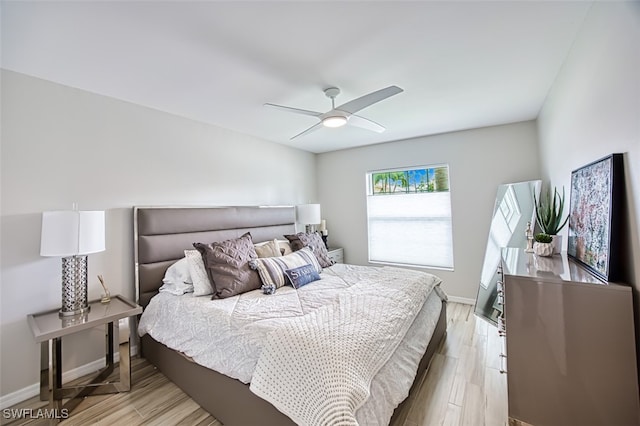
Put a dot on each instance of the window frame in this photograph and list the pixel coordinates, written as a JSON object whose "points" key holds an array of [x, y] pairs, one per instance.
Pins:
{"points": [[370, 193]]}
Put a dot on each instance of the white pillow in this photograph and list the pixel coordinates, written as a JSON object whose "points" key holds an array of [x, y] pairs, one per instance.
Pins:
{"points": [[177, 279], [199, 277], [268, 249], [286, 245]]}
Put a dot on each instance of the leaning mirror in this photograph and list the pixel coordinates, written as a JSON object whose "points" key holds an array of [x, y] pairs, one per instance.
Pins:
{"points": [[513, 210]]}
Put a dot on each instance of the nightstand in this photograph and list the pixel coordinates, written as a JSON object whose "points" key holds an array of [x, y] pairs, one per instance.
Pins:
{"points": [[49, 329], [336, 255]]}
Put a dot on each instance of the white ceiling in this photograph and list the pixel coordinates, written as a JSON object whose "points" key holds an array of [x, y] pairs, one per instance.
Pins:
{"points": [[461, 64]]}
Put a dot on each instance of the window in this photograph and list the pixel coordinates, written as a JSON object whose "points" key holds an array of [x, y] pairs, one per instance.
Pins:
{"points": [[409, 217]]}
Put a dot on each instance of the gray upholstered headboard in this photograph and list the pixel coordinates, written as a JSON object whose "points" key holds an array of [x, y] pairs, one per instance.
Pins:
{"points": [[161, 234]]}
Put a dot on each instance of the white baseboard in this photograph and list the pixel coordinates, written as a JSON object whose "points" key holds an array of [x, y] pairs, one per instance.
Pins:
{"points": [[463, 300], [34, 389]]}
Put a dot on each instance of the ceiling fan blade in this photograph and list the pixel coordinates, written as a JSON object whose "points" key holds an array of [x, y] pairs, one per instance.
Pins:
{"points": [[365, 123], [295, 110], [309, 130], [370, 99]]}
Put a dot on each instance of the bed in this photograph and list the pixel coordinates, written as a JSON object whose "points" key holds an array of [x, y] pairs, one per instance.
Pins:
{"points": [[162, 234]]}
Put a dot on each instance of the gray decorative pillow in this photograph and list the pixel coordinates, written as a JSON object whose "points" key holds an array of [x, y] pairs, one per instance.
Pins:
{"points": [[294, 241], [227, 264], [314, 241]]}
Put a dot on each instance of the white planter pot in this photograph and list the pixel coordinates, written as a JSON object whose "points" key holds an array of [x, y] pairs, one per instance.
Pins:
{"points": [[543, 249], [557, 243]]}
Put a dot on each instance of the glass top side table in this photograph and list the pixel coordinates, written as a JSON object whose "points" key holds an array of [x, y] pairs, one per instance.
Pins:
{"points": [[48, 329]]}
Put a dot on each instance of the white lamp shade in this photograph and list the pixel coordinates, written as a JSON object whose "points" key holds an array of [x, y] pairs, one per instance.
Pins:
{"points": [[69, 233], [308, 214]]}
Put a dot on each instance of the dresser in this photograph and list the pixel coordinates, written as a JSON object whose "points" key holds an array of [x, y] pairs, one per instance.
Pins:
{"points": [[570, 343]]}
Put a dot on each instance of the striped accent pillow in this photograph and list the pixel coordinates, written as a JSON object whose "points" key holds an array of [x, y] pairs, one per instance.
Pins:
{"points": [[272, 269]]}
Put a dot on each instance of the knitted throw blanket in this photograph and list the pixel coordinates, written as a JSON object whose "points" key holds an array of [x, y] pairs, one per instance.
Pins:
{"points": [[318, 368]]}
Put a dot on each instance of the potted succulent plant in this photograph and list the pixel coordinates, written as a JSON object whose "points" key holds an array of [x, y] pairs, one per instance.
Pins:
{"points": [[543, 245], [549, 215]]}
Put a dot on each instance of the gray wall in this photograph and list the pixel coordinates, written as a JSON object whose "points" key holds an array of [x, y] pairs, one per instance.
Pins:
{"points": [[479, 160], [593, 110], [62, 145]]}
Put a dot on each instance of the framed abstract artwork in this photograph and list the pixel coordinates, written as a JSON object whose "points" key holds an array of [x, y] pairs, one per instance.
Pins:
{"points": [[595, 216]]}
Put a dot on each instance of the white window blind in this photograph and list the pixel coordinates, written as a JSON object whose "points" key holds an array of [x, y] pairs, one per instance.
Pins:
{"points": [[409, 217]]}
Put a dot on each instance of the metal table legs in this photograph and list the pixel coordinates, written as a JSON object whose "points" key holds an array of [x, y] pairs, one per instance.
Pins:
{"points": [[51, 387]]}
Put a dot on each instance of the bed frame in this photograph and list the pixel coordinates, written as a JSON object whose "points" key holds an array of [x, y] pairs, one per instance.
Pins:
{"points": [[161, 234]]}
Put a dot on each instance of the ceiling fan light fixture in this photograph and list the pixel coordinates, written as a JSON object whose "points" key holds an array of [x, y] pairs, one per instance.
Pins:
{"points": [[334, 121], [345, 113]]}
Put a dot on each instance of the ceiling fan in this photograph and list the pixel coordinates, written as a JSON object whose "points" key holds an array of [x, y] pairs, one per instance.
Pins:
{"points": [[345, 113]]}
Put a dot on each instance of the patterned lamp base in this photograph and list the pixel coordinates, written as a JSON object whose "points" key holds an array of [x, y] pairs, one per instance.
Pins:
{"points": [[74, 286]]}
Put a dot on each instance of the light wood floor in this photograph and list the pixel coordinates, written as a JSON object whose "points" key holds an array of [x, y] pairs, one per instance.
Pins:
{"points": [[463, 386]]}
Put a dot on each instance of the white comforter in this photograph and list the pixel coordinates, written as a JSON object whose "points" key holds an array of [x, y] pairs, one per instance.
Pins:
{"points": [[228, 335]]}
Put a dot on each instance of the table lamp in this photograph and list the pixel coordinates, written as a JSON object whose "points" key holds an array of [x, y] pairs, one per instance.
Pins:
{"points": [[309, 215], [73, 235]]}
